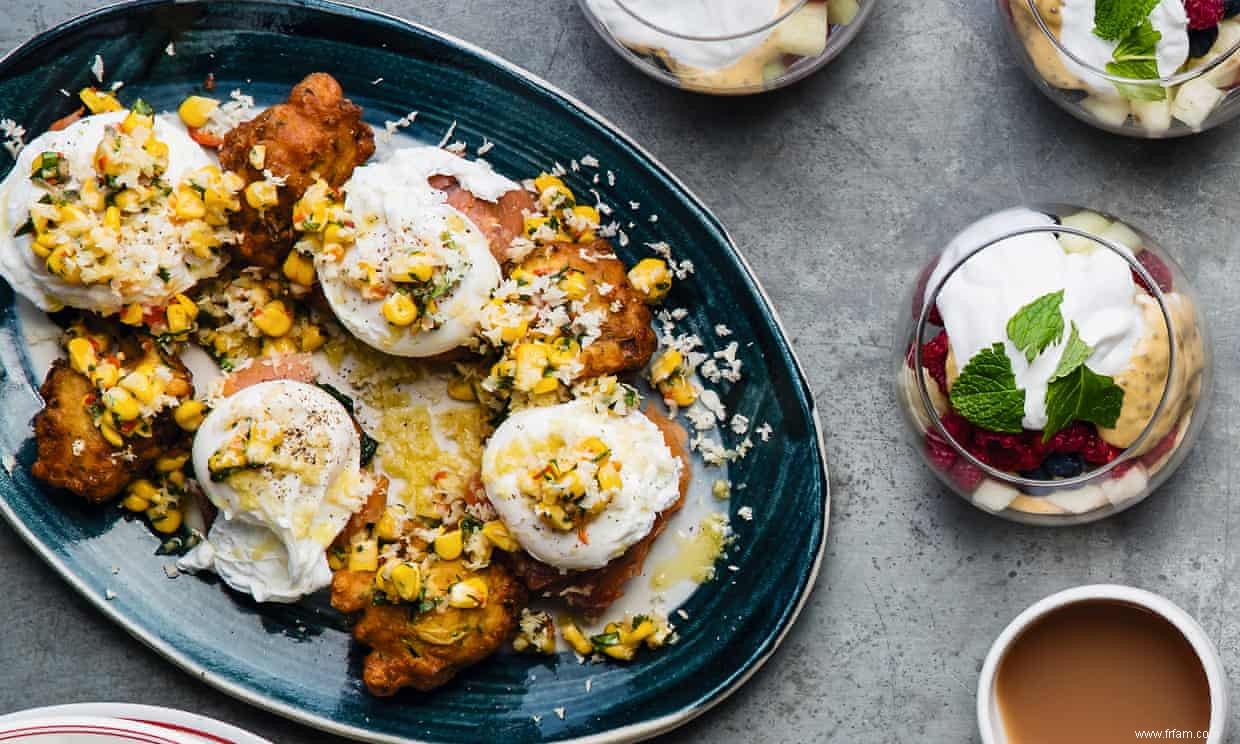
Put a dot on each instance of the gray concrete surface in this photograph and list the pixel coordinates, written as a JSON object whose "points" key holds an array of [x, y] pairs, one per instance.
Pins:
{"points": [[832, 188]]}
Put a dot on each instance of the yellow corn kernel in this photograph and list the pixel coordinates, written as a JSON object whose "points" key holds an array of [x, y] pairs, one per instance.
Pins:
{"points": [[532, 225], [70, 214], [179, 320], [448, 545], [156, 148], [140, 385], [388, 526], [105, 375], [571, 633], [169, 523], [189, 415], [127, 200], [189, 205], [522, 276], [261, 194], [122, 404], [467, 594], [513, 333], [399, 310], [133, 120], [679, 390], [546, 181], [112, 218], [171, 463], [531, 359], [177, 478], [547, 384], [635, 635], [620, 651], [258, 157], [110, 433], [460, 388], [43, 244], [336, 233], [144, 489], [407, 580], [132, 314], [575, 285], [99, 102], [586, 215], [312, 338], [299, 269], [363, 554], [609, 477], [666, 365], [595, 449], [58, 264], [190, 306], [504, 368], [82, 355], [201, 239], [415, 268], [135, 504], [652, 278], [91, 197], [274, 319], [497, 532], [196, 110], [278, 346], [563, 351]]}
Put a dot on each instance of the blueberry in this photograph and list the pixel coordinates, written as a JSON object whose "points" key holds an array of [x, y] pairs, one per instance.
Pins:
{"points": [[1230, 8], [1199, 42], [1061, 465]]}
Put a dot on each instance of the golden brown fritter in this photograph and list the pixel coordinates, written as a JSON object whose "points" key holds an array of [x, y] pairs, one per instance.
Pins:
{"points": [[500, 221], [627, 341], [317, 132], [426, 650], [592, 592], [98, 471]]}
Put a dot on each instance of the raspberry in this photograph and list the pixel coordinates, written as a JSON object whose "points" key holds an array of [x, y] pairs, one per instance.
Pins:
{"points": [[934, 359], [939, 453], [919, 296], [1073, 439], [958, 426], [1203, 14], [966, 475], [1120, 470], [998, 450], [1157, 269], [1098, 452]]}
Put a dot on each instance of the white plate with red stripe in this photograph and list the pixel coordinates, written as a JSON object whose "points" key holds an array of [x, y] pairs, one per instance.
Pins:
{"points": [[117, 723]]}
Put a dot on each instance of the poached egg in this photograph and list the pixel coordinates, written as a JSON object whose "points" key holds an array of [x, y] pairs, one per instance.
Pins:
{"points": [[576, 486], [281, 462]]}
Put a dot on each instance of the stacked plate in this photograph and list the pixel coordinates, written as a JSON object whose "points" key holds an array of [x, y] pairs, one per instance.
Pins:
{"points": [[117, 723]]}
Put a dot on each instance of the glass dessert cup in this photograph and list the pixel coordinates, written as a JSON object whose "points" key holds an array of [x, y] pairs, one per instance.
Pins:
{"points": [[723, 47], [1084, 472], [1200, 96]]}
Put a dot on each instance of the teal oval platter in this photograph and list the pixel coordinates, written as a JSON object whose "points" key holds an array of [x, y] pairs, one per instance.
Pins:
{"points": [[298, 660]]}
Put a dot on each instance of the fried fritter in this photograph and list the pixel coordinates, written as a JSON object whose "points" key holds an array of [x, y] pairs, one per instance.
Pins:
{"points": [[72, 453], [627, 341], [426, 650], [592, 592], [317, 132], [500, 221]]}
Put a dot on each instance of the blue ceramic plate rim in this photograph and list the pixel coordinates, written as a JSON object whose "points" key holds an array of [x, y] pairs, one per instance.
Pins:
{"points": [[631, 732]]}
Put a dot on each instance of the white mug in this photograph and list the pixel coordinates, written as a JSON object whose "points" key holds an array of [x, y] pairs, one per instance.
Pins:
{"points": [[989, 722]]}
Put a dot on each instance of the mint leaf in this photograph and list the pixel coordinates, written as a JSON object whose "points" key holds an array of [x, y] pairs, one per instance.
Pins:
{"points": [[1136, 57], [1074, 355], [1113, 19], [1037, 325], [985, 393], [1082, 395]]}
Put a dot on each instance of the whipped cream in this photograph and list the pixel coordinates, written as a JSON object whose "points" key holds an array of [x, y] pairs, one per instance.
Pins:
{"points": [[980, 298], [694, 17], [1077, 35]]}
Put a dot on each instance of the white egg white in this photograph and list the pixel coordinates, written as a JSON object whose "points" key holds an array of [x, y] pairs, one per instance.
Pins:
{"points": [[394, 206], [650, 475], [269, 538], [28, 274]]}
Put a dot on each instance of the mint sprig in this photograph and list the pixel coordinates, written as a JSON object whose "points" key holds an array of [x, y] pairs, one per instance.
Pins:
{"points": [[985, 393], [1075, 352], [1113, 19], [1037, 325], [1136, 57], [1082, 395]]}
